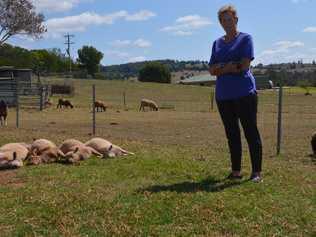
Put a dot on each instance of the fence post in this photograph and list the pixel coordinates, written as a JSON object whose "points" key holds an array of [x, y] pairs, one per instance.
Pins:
{"points": [[124, 99], [17, 104], [212, 98], [279, 132], [41, 97], [93, 109]]}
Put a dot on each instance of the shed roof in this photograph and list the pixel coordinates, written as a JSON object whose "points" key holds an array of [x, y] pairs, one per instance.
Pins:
{"points": [[199, 79]]}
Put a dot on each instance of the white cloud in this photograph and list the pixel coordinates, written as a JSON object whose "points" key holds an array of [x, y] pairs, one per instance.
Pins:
{"points": [[140, 16], [183, 33], [186, 25], [136, 59], [310, 29], [272, 51], [117, 54], [289, 44], [281, 52], [80, 23], [139, 43], [299, 1], [52, 5], [121, 43], [124, 56]]}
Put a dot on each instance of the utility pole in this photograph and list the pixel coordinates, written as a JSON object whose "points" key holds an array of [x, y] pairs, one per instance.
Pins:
{"points": [[68, 43]]}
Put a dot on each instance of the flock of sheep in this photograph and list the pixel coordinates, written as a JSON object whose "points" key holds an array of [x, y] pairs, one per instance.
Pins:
{"points": [[64, 103], [43, 151], [13, 155]]}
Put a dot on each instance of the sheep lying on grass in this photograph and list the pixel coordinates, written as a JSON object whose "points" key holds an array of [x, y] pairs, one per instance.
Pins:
{"points": [[107, 148], [44, 151], [12, 155], [76, 151]]}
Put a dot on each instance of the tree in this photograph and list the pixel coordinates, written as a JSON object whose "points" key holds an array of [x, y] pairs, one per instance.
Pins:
{"points": [[19, 17], [89, 58], [154, 72]]}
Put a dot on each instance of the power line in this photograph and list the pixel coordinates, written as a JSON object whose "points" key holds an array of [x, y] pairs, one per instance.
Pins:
{"points": [[68, 43]]}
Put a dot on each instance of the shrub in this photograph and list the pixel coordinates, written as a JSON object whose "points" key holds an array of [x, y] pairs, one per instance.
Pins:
{"points": [[154, 72]]}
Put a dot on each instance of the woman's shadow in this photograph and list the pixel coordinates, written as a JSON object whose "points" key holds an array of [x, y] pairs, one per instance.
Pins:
{"points": [[210, 184]]}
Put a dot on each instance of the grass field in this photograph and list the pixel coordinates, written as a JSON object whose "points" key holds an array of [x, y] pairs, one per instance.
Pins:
{"points": [[174, 185]]}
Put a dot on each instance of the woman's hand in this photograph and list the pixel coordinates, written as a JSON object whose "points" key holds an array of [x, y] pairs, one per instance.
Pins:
{"points": [[221, 69], [215, 69], [230, 67]]}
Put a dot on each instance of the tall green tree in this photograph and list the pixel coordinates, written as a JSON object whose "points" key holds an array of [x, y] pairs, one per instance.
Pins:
{"points": [[19, 17], [15, 56], [90, 58], [154, 72]]}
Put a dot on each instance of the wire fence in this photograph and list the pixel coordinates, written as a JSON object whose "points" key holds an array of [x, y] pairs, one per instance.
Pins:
{"points": [[296, 124]]}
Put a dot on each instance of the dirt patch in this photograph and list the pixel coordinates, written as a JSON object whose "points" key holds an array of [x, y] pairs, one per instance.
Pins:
{"points": [[9, 178]]}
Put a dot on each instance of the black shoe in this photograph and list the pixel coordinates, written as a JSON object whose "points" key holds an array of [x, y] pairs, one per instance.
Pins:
{"points": [[231, 176]]}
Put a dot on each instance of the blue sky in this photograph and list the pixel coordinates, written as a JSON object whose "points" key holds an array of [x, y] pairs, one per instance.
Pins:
{"points": [[137, 30]]}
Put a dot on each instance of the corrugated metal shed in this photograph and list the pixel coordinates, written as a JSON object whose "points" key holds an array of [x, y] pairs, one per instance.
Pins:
{"points": [[202, 80], [262, 81]]}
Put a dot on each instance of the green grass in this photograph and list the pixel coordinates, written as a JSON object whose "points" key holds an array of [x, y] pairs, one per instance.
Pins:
{"points": [[174, 185]]}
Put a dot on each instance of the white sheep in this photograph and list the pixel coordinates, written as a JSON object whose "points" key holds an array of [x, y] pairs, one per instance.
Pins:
{"points": [[46, 151], [107, 148], [148, 103], [12, 155], [76, 151]]}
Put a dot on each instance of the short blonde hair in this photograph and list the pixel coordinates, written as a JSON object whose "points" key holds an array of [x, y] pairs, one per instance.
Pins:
{"points": [[226, 8]]}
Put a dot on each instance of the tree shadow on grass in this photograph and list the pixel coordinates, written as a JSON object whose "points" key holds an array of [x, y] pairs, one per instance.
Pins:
{"points": [[209, 184]]}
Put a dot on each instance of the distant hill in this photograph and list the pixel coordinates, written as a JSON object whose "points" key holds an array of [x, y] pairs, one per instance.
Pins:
{"points": [[128, 70]]}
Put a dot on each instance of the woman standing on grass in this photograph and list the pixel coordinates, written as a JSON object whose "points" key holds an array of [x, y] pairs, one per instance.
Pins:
{"points": [[236, 94]]}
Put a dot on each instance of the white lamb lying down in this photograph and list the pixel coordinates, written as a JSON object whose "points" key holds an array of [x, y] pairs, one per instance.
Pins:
{"points": [[44, 151], [76, 151], [106, 148], [12, 155]]}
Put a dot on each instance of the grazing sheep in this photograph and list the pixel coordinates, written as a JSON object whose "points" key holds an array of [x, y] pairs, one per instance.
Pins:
{"points": [[313, 143], [107, 148], [3, 113], [12, 155], [148, 103], [99, 104], [45, 151], [64, 103], [76, 151]]}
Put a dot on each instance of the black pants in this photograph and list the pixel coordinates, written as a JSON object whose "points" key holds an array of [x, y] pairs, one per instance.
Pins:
{"points": [[244, 110]]}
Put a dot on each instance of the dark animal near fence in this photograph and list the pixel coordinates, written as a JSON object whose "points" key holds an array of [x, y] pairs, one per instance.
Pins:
{"points": [[313, 143], [3, 112], [148, 103], [64, 103], [100, 105]]}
